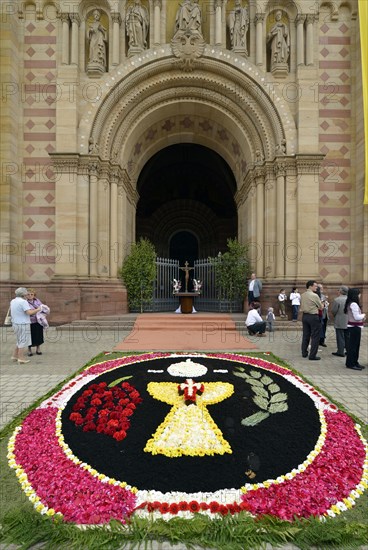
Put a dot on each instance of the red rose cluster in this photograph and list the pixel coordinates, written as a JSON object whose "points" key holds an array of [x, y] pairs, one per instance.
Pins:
{"points": [[193, 506], [106, 410]]}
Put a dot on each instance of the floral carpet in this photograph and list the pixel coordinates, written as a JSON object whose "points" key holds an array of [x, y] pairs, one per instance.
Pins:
{"points": [[159, 435]]}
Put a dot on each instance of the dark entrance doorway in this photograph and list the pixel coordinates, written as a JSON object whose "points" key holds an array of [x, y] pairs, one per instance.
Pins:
{"points": [[186, 205], [184, 247]]}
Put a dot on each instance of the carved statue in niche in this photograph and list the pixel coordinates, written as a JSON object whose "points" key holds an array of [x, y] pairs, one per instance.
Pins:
{"points": [[188, 43], [137, 24], [188, 18], [278, 40], [238, 25], [97, 35]]}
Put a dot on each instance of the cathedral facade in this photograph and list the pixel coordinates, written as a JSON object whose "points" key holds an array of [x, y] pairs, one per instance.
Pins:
{"points": [[187, 122]]}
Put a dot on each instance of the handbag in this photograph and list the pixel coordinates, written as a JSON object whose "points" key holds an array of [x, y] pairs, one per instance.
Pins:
{"points": [[7, 320]]}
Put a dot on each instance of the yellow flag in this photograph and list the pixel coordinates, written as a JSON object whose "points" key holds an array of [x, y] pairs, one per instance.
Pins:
{"points": [[363, 23]]}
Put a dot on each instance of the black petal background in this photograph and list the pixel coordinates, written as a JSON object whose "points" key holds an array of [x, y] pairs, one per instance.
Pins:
{"points": [[269, 449]]}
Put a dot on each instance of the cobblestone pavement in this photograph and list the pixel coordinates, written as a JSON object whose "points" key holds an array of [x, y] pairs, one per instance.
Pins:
{"points": [[66, 351]]}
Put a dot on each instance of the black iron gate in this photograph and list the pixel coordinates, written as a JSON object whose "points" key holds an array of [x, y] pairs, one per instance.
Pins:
{"points": [[165, 300], [212, 298], [166, 271]]}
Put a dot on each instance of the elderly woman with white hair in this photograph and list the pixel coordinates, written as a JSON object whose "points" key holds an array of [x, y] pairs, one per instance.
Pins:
{"points": [[21, 312]]}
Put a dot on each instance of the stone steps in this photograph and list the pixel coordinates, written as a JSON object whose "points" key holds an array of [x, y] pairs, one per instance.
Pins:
{"points": [[125, 323]]}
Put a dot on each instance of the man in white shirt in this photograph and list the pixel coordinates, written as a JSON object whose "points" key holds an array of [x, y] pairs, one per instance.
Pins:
{"points": [[254, 322]]}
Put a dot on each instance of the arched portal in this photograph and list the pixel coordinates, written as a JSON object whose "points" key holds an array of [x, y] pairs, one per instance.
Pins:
{"points": [[186, 205]]}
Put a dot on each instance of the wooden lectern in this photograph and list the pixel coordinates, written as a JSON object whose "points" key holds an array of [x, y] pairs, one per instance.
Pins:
{"points": [[186, 300]]}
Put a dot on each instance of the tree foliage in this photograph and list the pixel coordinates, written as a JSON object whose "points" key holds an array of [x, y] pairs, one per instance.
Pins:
{"points": [[231, 270], [139, 273]]}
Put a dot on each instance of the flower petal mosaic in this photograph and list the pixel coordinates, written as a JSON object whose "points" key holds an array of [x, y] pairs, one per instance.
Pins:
{"points": [[161, 435]]}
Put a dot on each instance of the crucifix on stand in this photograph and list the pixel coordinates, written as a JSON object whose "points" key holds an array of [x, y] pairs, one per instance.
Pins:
{"points": [[186, 270]]}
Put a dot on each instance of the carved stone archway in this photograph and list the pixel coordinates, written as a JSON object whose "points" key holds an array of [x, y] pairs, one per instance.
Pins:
{"points": [[225, 105]]}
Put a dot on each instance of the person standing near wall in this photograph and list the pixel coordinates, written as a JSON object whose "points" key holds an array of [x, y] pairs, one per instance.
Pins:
{"points": [[340, 321], [310, 304], [323, 315], [355, 325], [36, 326], [254, 289], [270, 319], [282, 299], [295, 303], [21, 312]]}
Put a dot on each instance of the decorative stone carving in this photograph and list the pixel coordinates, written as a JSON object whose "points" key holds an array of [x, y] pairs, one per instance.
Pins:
{"points": [[97, 35], [309, 164], [93, 168], [238, 26], [259, 174], [259, 157], [137, 24], [115, 174], [188, 19], [92, 146], [278, 40], [334, 11], [280, 148], [116, 17], [188, 49], [188, 43], [280, 169]]}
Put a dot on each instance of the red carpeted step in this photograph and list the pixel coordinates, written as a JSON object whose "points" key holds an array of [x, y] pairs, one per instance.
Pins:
{"points": [[184, 332]]}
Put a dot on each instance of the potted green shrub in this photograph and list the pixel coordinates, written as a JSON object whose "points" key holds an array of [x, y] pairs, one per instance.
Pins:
{"points": [[231, 270], [138, 273]]}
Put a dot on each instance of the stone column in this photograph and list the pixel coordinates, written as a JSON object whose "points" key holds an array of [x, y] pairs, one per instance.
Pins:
{"points": [[300, 39], [74, 58], [82, 226], [121, 225], [309, 41], [66, 237], [116, 21], [270, 222], [260, 201], [280, 171], [114, 224], [93, 247], [259, 37], [218, 22], [292, 253], [65, 49], [308, 167], [103, 225], [157, 23]]}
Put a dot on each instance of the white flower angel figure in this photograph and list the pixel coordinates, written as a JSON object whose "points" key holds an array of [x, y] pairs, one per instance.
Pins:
{"points": [[188, 429]]}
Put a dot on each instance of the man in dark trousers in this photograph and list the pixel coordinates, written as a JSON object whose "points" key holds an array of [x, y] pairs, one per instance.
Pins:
{"points": [[340, 321], [310, 307], [254, 289]]}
